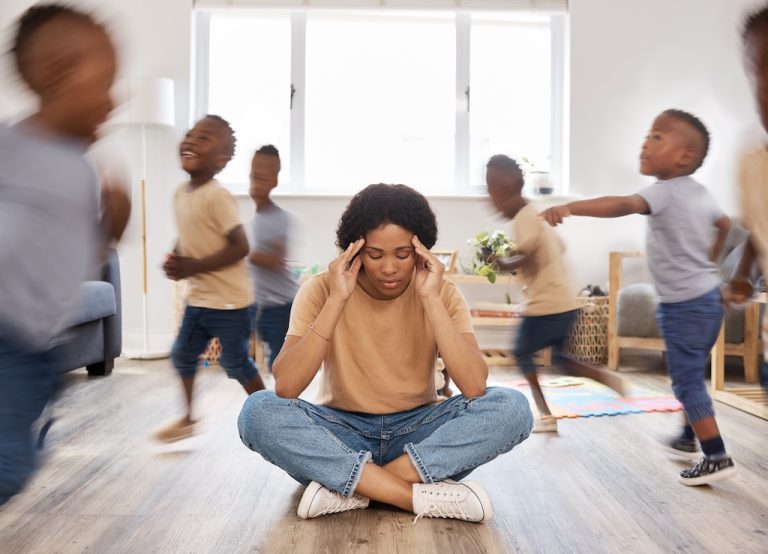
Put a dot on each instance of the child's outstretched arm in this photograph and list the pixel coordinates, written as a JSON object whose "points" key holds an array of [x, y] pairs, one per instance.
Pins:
{"points": [[180, 267], [723, 227], [605, 206]]}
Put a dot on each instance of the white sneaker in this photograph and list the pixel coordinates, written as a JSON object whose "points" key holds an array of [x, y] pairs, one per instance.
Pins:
{"points": [[449, 499], [319, 501], [545, 424]]}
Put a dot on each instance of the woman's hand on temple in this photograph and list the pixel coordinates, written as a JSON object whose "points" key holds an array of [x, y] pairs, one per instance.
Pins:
{"points": [[344, 269], [429, 270]]}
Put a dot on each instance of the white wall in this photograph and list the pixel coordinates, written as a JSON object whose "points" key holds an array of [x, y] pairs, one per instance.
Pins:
{"points": [[630, 59]]}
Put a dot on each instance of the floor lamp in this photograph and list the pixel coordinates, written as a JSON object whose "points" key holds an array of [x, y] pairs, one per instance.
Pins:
{"points": [[148, 101]]}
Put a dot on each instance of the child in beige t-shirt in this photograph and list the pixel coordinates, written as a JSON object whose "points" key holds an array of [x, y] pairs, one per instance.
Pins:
{"points": [[210, 253], [552, 306]]}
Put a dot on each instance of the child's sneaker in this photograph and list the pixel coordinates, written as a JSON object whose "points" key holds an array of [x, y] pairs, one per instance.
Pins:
{"points": [[708, 471], [175, 431], [681, 447], [318, 500], [545, 424], [449, 499]]}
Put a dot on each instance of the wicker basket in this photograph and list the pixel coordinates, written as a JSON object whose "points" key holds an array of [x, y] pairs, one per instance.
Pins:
{"points": [[589, 340]]}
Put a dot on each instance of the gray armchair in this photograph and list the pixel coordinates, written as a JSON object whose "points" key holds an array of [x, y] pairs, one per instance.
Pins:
{"points": [[94, 337], [632, 313]]}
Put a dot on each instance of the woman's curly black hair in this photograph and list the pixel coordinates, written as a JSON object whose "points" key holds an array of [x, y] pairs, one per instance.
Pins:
{"points": [[377, 205]]}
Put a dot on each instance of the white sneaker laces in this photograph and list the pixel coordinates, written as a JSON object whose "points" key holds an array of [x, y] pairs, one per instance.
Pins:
{"points": [[339, 503], [447, 504]]}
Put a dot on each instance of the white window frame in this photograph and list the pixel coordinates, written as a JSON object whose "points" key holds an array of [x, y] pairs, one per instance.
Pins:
{"points": [[297, 186]]}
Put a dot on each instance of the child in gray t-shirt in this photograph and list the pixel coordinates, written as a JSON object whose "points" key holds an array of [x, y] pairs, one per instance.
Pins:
{"points": [[49, 233], [275, 283], [686, 232]]}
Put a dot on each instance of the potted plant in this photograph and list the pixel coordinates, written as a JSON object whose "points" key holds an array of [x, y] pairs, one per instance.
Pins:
{"points": [[485, 245]]}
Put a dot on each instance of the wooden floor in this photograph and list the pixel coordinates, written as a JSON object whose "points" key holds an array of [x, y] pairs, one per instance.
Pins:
{"points": [[601, 485]]}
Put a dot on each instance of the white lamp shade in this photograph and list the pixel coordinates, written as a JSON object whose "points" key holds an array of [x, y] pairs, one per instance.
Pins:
{"points": [[143, 100]]}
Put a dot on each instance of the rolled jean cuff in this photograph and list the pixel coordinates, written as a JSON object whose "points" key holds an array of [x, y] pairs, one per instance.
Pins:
{"points": [[186, 372], [418, 463], [363, 457], [243, 375], [699, 411]]}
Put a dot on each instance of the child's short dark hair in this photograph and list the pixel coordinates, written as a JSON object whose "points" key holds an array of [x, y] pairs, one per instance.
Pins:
{"points": [[756, 20], [698, 126], [377, 205], [229, 128], [269, 150], [504, 163], [33, 19]]}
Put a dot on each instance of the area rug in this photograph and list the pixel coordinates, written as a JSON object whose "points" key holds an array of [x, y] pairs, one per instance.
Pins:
{"points": [[582, 397]]}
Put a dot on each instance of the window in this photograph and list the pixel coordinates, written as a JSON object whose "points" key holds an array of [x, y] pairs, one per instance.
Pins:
{"points": [[353, 98], [382, 111], [249, 83], [510, 85]]}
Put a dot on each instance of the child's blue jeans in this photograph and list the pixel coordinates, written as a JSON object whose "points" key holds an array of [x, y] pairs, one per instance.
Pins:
{"points": [[233, 328], [26, 384], [690, 330], [540, 331], [444, 440], [272, 326]]}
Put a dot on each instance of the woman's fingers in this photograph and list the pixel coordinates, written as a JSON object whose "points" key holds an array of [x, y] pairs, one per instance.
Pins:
{"points": [[348, 254], [429, 258]]}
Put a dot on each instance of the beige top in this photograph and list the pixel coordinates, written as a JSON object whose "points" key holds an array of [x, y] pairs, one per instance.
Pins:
{"points": [[548, 288], [205, 216], [753, 181], [381, 355]]}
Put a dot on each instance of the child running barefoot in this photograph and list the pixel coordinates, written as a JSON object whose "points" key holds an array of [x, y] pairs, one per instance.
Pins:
{"points": [[210, 252], [551, 306], [686, 232]]}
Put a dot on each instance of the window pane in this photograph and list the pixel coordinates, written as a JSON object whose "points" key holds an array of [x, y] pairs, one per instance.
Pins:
{"points": [[249, 85], [380, 102], [510, 85]]}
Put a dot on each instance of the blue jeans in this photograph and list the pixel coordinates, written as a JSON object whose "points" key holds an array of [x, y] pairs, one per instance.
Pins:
{"points": [[690, 330], [443, 440], [540, 331], [26, 385], [272, 326], [233, 329]]}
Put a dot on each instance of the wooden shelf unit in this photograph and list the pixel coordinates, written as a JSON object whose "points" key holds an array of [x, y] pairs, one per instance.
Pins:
{"points": [[495, 356]]}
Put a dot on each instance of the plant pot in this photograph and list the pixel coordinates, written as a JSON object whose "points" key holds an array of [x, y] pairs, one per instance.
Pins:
{"points": [[541, 183]]}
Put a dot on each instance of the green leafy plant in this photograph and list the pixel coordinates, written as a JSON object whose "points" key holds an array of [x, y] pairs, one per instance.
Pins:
{"points": [[484, 246]]}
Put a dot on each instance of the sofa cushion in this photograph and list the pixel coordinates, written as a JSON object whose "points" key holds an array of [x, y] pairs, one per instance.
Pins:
{"points": [[96, 300], [636, 311]]}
